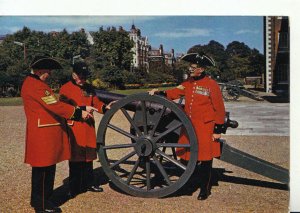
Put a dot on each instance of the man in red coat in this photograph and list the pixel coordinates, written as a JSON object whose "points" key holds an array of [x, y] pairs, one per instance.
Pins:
{"points": [[82, 133], [205, 107], [46, 133]]}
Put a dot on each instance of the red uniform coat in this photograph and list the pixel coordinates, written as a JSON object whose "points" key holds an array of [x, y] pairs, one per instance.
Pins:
{"points": [[82, 133], [205, 107], [46, 131]]}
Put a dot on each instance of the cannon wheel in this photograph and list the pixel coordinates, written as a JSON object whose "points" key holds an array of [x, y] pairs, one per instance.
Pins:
{"points": [[147, 165]]}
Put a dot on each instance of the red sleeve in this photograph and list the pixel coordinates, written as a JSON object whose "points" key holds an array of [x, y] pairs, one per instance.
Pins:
{"points": [[45, 96], [97, 104], [176, 92], [64, 95], [218, 103], [62, 90]]}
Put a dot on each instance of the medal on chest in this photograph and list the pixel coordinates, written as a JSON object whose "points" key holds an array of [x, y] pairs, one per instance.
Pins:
{"points": [[202, 90]]}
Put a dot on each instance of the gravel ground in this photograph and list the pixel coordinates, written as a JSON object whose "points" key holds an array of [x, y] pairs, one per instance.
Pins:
{"points": [[234, 189]]}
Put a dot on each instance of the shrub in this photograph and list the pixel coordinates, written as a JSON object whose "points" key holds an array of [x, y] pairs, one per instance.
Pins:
{"points": [[132, 86], [151, 85], [168, 84], [99, 84]]}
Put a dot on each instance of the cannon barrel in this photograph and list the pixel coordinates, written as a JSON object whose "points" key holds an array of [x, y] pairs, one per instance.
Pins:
{"points": [[107, 97]]}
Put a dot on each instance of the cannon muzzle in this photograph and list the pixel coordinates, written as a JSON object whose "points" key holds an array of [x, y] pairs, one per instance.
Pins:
{"points": [[229, 123]]}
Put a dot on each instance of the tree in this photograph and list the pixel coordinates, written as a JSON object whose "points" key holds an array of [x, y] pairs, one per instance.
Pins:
{"points": [[257, 63], [180, 71], [236, 48], [239, 60], [112, 48], [238, 67], [113, 75], [159, 77]]}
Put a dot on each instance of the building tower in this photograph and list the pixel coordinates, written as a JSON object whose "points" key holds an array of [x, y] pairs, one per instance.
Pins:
{"points": [[140, 49]]}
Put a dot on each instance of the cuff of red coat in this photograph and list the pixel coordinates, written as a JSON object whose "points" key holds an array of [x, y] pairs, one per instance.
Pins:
{"points": [[82, 108], [77, 114], [103, 108], [162, 93]]}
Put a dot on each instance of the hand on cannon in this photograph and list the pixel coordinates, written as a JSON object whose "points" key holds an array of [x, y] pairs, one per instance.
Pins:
{"points": [[153, 91], [91, 109], [109, 105], [216, 137], [86, 115]]}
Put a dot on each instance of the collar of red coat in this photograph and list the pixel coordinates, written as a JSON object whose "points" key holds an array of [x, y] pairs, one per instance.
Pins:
{"points": [[34, 76], [196, 78], [85, 87]]}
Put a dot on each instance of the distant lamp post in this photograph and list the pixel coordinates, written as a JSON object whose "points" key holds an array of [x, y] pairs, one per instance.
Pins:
{"points": [[75, 57], [24, 48]]}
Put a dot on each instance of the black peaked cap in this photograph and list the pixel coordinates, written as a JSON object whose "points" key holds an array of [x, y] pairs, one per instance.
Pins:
{"points": [[81, 68], [201, 59]]}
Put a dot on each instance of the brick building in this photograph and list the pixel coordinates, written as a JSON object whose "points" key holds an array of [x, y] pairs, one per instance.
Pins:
{"points": [[277, 52], [159, 58]]}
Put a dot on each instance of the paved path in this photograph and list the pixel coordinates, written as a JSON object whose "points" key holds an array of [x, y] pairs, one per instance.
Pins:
{"points": [[259, 118]]}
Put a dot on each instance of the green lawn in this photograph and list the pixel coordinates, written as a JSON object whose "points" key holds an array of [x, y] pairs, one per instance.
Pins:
{"points": [[17, 101], [134, 91]]}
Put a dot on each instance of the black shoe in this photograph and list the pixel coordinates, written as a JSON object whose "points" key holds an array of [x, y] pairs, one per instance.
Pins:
{"points": [[95, 189], [203, 195], [48, 210]]}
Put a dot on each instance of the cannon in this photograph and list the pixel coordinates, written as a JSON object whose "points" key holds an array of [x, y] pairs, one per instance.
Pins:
{"points": [[231, 91], [137, 141]]}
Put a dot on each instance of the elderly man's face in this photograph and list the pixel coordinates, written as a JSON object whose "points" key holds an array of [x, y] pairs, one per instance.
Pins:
{"points": [[195, 70], [43, 74], [79, 79]]}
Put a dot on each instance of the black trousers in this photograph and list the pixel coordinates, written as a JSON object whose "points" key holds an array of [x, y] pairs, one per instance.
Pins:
{"points": [[42, 183], [205, 172], [80, 176]]}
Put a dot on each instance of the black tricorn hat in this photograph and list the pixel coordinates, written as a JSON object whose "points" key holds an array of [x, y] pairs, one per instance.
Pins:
{"points": [[44, 62], [198, 58], [81, 68]]}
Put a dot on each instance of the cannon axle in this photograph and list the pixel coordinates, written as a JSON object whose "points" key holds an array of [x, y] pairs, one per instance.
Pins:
{"points": [[144, 147]]}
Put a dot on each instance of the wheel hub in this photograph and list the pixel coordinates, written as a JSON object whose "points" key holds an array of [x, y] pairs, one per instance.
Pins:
{"points": [[144, 147]]}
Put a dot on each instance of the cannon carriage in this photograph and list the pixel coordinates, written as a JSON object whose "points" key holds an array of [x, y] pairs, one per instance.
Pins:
{"points": [[231, 91], [137, 141]]}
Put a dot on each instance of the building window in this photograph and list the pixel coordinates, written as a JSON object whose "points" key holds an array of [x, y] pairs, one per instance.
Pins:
{"points": [[283, 71], [283, 40]]}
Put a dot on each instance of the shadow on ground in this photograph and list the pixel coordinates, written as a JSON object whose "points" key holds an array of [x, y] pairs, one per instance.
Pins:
{"points": [[276, 99], [219, 174], [60, 195], [272, 97]]}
